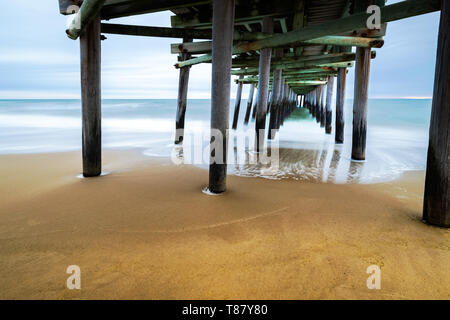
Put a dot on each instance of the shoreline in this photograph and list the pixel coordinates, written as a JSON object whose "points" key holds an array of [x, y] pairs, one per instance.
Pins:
{"points": [[146, 231]]}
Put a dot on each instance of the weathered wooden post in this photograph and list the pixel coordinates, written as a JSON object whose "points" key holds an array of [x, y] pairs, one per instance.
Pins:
{"points": [[255, 105], [319, 103], [249, 103], [322, 106], [182, 97], [340, 100], [222, 43], [90, 48], [237, 104], [437, 183], [328, 116], [263, 88], [285, 103], [362, 72], [276, 88], [280, 103]]}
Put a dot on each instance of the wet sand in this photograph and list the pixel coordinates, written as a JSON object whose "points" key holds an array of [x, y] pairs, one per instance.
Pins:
{"points": [[146, 231]]}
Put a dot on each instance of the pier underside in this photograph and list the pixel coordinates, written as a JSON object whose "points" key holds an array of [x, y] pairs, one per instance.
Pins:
{"points": [[288, 52]]}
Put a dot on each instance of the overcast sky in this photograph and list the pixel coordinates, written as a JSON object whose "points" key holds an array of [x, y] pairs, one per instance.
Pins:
{"points": [[37, 60]]}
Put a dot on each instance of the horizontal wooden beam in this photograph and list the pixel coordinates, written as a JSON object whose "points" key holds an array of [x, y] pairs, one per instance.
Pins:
{"points": [[249, 12], [122, 29], [301, 83], [254, 71], [136, 7], [181, 33], [89, 10], [280, 63], [206, 46], [393, 12]]}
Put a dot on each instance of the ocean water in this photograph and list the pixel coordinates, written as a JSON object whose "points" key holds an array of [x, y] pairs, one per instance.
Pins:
{"points": [[396, 142]]}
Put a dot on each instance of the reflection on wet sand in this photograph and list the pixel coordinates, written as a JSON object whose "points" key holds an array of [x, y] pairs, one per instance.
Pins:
{"points": [[326, 162], [300, 151]]}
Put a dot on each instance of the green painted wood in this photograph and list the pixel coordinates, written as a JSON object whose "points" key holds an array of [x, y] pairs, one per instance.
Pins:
{"points": [[394, 12], [89, 11]]}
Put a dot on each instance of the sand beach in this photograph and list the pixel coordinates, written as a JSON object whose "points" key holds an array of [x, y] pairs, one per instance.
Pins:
{"points": [[146, 231]]}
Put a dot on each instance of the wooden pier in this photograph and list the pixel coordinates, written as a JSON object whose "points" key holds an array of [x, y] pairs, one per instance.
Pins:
{"points": [[289, 51]]}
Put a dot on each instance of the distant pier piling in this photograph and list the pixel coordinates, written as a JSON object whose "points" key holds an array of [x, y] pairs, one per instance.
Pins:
{"points": [[322, 106], [237, 104], [249, 103], [276, 90], [182, 97], [340, 101], [361, 95], [328, 111], [263, 86]]}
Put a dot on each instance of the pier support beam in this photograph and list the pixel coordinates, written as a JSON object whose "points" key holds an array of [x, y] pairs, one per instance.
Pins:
{"points": [[319, 103], [263, 88], [237, 105], [322, 107], [182, 97], [362, 72], [90, 55], [249, 103], [328, 115], [222, 43], [437, 183], [340, 100], [276, 90]]}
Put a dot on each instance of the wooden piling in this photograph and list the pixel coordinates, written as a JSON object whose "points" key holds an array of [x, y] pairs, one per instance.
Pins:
{"points": [[237, 104], [328, 115], [263, 88], [436, 209], [362, 72], [255, 105], [276, 90], [182, 97], [222, 38], [249, 103], [319, 104], [322, 107], [340, 100], [90, 54]]}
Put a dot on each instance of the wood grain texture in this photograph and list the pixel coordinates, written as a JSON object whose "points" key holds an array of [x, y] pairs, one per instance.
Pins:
{"points": [[182, 98], [237, 105], [223, 22], [437, 193], [361, 95], [328, 111], [249, 103], [263, 88], [340, 101], [90, 54]]}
